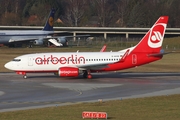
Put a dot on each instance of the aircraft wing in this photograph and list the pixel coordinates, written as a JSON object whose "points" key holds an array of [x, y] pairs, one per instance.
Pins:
{"points": [[93, 66], [124, 56], [42, 38], [98, 66], [22, 40], [71, 36]]}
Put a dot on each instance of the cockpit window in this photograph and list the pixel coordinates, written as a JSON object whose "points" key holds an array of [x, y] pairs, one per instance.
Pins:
{"points": [[16, 60]]}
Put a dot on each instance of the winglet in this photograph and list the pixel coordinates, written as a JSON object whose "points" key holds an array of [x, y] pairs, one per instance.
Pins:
{"points": [[50, 21], [103, 49], [124, 56]]}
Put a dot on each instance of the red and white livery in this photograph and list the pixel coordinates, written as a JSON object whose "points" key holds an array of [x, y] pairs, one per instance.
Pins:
{"points": [[72, 64]]}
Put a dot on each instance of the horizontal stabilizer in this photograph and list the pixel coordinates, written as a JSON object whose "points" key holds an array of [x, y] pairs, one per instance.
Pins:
{"points": [[160, 54]]}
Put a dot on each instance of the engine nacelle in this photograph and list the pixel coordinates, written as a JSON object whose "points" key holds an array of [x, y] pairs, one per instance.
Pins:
{"points": [[38, 42], [68, 72], [62, 40]]}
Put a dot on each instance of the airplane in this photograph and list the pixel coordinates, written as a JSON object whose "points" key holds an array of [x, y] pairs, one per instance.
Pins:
{"points": [[72, 64], [13, 38]]}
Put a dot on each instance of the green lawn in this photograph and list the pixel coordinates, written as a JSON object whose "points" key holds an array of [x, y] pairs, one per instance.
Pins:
{"points": [[153, 108]]}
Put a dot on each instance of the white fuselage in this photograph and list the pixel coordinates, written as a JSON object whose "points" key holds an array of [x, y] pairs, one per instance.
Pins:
{"points": [[9, 36], [53, 61]]}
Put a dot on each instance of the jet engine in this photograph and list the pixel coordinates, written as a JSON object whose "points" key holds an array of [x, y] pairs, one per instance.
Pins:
{"points": [[68, 72], [62, 40], [38, 42]]}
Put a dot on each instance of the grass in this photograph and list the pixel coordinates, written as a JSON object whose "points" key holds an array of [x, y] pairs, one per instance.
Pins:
{"points": [[152, 108]]}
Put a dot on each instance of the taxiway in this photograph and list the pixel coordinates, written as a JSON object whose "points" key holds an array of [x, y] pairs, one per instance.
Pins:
{"points": [[44, 90]]}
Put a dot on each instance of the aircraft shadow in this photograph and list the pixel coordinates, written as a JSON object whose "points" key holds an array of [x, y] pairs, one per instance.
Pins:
{"points": [[133, 75], [107, 75]]}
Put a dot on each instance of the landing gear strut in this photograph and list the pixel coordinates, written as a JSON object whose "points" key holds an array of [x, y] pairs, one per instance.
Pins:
{"points": [[87, 74], [22, 73]]}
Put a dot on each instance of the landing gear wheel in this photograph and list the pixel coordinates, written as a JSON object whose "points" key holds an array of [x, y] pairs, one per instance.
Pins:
{"points": [[85, 74], [25, 76], [89, 76], [56, 73], [30, 46]]}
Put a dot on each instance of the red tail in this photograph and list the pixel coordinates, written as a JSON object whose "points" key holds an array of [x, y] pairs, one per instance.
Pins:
{"points": [[153, 39]]}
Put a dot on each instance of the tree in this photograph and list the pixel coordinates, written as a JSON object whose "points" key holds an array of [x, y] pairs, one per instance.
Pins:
{"points": [[74, 12], [10, 18], [11, 11], [173, 10], [104, 10], [122, 11]]}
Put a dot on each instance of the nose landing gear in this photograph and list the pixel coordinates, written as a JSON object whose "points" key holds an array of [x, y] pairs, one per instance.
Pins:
{"points": [[25, 76], [22, 73]]}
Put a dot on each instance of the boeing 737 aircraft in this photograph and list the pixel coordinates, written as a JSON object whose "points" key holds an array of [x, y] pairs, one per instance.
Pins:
{"points": [[72, 64]]}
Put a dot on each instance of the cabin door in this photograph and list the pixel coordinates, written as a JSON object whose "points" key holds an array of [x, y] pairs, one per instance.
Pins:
{"points": [[30, 61]]}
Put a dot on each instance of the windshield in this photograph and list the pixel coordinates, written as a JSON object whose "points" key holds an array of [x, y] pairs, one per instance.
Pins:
{"points": [[16, 60]]}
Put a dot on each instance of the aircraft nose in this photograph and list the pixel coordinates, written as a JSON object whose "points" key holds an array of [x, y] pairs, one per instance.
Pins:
{"points": [[8, 65]]}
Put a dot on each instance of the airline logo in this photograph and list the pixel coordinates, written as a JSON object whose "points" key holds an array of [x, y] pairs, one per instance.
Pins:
{"points": [[156, 35], [72, 59], [68, 72], [51, 21]]}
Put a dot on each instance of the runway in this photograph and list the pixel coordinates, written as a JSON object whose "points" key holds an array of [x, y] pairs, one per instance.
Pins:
{"points": [[43, 90]]}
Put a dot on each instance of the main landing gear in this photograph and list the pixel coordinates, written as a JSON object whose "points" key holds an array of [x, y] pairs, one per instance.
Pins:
{"points": [[87, 74]]}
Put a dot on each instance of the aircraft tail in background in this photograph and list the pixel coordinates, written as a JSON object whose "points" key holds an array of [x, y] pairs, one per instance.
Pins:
{"points": [[50, 21]]}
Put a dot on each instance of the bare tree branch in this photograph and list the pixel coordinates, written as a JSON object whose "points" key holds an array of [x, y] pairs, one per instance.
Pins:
{"points": [[75, 11]]}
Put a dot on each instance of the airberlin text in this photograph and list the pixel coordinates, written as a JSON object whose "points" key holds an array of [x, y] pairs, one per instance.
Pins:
{"points": [[72, 59]]}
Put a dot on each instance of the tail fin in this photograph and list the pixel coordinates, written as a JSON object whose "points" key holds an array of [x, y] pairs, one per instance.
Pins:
{"points": [[153, 39], [50, 21]]}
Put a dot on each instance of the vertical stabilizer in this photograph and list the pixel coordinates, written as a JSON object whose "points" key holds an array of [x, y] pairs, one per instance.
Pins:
{"points": [[152, 41], [50, 21]]}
